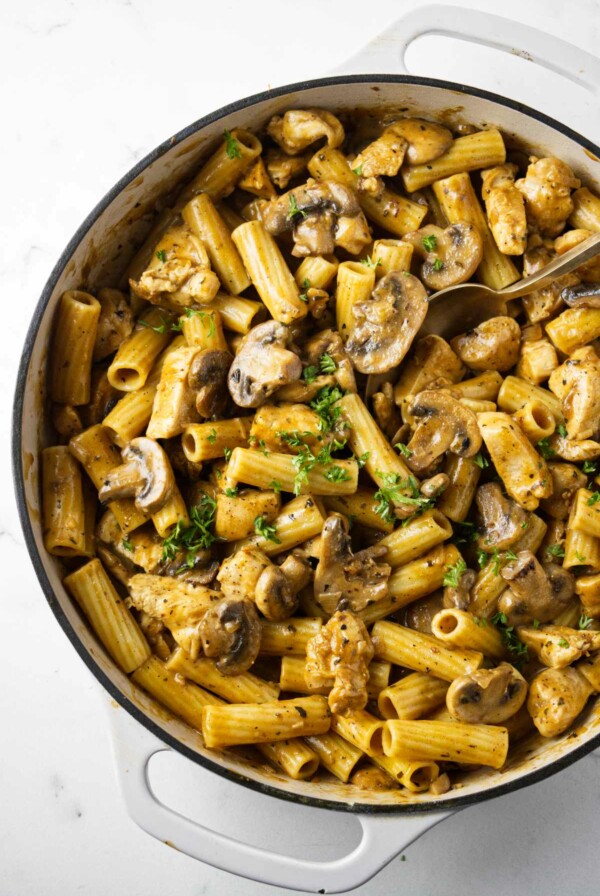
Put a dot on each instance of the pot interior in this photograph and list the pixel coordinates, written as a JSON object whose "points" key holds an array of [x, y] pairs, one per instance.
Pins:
{"points": [[97, 256]]}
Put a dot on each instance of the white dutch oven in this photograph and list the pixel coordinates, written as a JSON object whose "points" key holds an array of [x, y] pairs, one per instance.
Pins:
{"points": [[97, 255]]}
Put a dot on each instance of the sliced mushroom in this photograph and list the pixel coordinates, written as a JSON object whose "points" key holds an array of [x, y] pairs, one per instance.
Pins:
{"points": [[146, 476], [584, 295], [444, 425], [493, 345], [187, 469], [459, 596], [318, 213], [386, 411], [547, 190], [338, 657], [115, 323], [329, 342], [262, 365], [566, 479], [535, 591], [556, 697], [208, 377], [577, 384], [179, 273], [451, 255], [487, 696], [505, 209], [502, 518], [181, 606], [558, 645], [298, 129], [230, 632], [346, 580], [250, 574], [386, 323], [420, 614], [435, 485]]}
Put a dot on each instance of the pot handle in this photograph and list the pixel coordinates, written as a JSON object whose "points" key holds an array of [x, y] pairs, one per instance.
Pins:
{"points": [[383, 837], [388, 49]]}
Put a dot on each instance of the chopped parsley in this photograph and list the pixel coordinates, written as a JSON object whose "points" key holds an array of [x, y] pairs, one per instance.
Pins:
{"points": [[160, 328], [545, 449], [480, 621], [369, 263], [562, 642], [294, 210], [161, 255], [337, 474], [429, 242], [481, 461], [358, 170], [195, 312], [580, 558], [127, 544], [305, 285], [562, 430], [555, 550], [212, 436], [454, 573], [363, 458], [498, 559], [482, 558], [393, 492], [232, 147], [265, 529], [231, 492], [510, 638], [196, 536], [276, 485], [584, 622], [327, 364], [323, 403], [438, 264], [593, 499], [403, 449], [227, 453], [310, 373], [590, 466]]}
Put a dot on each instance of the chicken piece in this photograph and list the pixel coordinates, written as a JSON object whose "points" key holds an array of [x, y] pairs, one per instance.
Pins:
{"points": [[505, 209], [298, 129], [339, 657], [547, 190], [179, 273], [577, 384], [556, 697]]}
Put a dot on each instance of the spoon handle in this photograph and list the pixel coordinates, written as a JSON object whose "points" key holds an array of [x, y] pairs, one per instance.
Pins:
{"points": [[563, 264]]}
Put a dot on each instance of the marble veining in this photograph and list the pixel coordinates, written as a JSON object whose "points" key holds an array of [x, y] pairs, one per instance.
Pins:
{"points": [[89, 87]]}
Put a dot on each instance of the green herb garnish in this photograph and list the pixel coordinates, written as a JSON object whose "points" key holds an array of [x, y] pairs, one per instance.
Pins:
{"points": [[593, 499], [196, 536], [453, 574], [545, 449], [161, 255], [323, 403], [127, 544], [266, 530], [212, 436], [403, 449], [327, 364], [429, 242], [232, 147], [509, 636], [438, 264], [337, 474], [584, 622], [393, 492], [369, 263], [231, 492], [294, 210], [555, 550], [481, 461]]}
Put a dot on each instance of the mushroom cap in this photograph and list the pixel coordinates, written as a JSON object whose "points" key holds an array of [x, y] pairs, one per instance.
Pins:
{"points": [[536, 591], [274, 595], [208, 376], [503, 519], [313, 198], [493, 345], [145, 475], [487, 696], [230, 630], [426, 140], [329, 342], [262, 365], [386, 323], [456, 254], [447, 425], [584, 295]]}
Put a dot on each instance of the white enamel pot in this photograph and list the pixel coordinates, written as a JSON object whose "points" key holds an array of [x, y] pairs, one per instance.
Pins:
{"points": [[97, 255]]}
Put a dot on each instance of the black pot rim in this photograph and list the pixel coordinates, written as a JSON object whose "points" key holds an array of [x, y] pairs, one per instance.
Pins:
{"points": [[532, 777]]}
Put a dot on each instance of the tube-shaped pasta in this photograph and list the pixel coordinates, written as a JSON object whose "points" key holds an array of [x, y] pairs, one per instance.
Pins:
{"points": [[483, 149], [391, 255], [241, 688], [536, 420], [288, 637], [205, 441], [183, 699], [360, 507], [136, 355], [360, 728], [355, 283], [109, 617], [586, 210], [249, 466], [316, 271], [269, 272], [294, 757], [412, 697], [368, 441], [446, 741], [131, 414], [460, 629], [171, 513], [416, 537], [97, 453], [204, 220], [456, 500], [298, 521], [515, 393], [236, 314], [203, 329], [523, 471], [484, 387], [219, 175], [72, 349], [272, 423], [337, 755], [63, 504], [585, 513], [389, 210], [588, 589], [574, 328], [423, 653], [581, 548], [292, 677], [460, 205], [416, 775], [255, 723]]}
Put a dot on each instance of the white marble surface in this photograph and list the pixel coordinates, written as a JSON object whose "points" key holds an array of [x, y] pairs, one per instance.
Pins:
{"points": [[88, 88]]}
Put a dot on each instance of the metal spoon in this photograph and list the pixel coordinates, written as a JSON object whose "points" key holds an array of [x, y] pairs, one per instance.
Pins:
{"points": [[459, 308]]}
